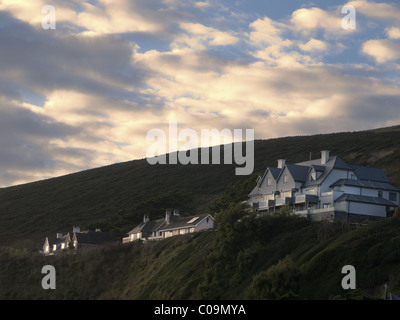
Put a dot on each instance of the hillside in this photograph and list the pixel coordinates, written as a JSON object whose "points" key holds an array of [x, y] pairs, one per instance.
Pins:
{"points": [[268, 257], [32, 211]]}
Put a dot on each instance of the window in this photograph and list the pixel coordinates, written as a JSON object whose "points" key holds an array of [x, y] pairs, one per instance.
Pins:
{"points": [[380, 194], [353, 176], [269, 182], [286, 178], [393, 196]]}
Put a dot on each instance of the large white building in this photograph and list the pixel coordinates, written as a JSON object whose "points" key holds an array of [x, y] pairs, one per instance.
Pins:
{"points": [[326, 188]]}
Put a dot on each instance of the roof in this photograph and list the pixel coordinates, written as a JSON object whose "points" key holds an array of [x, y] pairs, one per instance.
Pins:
{"points": [[365, 199], [275, 172], [365, 184], [184, 222], [148, 226], [370, 173], [92, 237], [298, 172], [175, 223], [55, 240]]}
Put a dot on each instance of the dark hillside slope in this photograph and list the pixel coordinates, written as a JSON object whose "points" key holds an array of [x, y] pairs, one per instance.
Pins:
{"points": [[31, 211], [270, 257]]}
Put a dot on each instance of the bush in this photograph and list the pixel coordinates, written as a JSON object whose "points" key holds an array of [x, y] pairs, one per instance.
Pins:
{"points": [[280, 281]]}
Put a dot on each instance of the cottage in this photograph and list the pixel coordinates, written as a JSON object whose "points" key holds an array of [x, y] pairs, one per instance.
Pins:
{"points": [[87, 239], [326, 188], [79, 239], [170, 226]]}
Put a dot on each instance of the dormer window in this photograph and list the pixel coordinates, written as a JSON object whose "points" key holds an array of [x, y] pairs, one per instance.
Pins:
{"points": [[353, 176]]}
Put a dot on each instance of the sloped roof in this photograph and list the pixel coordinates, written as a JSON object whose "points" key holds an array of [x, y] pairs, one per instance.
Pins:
{"points": [[175, 223], [148, 226], [299, 173], [365, 184], [370, 173], [365, 199], [184, 222], [92, 237], [275, 172]]}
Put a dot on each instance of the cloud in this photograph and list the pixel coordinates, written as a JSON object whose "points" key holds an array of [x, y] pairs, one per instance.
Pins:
{"points": [[309, 20], [393, 33], [313, 45], [198, 36], [382, 50], [85, 94], [383, 11]]}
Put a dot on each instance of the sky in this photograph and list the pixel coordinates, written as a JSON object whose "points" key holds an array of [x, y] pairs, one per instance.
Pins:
{"points": [[86, 93]]}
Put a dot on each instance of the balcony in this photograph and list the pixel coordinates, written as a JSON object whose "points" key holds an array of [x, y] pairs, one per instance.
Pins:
{"points": [[306, 198], [283, 201], [265, 205], [336, 207]]}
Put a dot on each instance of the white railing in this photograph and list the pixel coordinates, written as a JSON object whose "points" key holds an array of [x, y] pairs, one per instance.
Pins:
{"points": [[126, 240], [321, 210]]}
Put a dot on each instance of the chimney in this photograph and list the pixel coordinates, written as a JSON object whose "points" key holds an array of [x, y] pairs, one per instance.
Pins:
{"points": [[59, 235], [176, 213], [146, 218], [324, 156], [168, 216], [281, 163]]}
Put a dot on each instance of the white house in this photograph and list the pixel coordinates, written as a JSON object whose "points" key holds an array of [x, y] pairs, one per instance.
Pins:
{"points": [[171, 225], [326, 188], [79, 239]]}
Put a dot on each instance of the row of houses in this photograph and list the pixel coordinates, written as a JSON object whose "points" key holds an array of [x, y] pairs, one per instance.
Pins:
{"points": [[173, 224], [75, 240], [325, 188]]}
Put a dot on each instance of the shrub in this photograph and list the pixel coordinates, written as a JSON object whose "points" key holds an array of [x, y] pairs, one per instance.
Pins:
{"points": [[280, 281]]}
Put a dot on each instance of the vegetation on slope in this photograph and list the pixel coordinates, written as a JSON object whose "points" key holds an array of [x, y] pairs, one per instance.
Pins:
{"points": [[249, 257]]}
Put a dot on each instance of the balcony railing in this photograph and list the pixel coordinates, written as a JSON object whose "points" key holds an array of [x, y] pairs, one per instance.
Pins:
{"points": [[321, 210], [126, 240], [303, 198], [283, 201]]}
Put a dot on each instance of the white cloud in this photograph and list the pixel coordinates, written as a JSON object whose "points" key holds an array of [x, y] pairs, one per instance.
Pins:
{"points": [[199, 36], [313, 44], [382, 50], [308, 20], [384, 11], [393, 33]]}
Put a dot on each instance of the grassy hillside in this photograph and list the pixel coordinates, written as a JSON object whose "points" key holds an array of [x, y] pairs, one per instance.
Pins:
{"points": [[269, 257], [32, 211]]}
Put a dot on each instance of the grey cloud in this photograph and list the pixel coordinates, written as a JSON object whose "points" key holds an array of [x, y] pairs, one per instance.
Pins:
{"points": [[45, 60]]}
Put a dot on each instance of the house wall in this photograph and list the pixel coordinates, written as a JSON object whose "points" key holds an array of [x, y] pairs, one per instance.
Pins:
{"points": [[207, 223], [265, 188], [332, 177], [366, 209], [285, 186]]}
